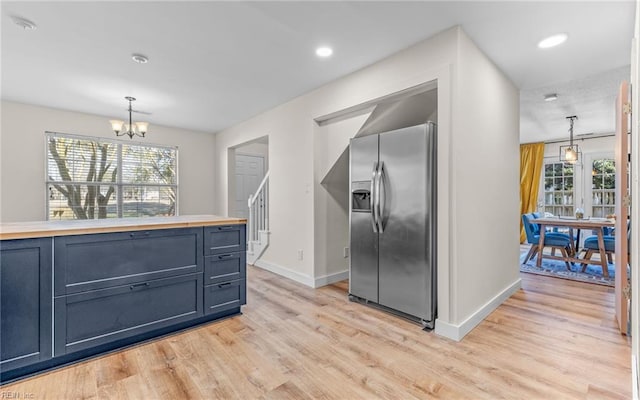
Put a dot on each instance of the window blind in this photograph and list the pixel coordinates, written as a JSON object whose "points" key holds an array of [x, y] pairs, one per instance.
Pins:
{"points": [[92, 178]]}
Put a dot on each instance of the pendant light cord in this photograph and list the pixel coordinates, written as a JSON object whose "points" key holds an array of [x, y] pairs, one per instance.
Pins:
{"points": [[131, 125], [571, 119]]}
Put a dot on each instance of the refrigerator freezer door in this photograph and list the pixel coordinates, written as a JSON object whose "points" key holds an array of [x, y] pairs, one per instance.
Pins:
{"points": [[405, 266], [363, 268], [363, 273], [363, 153]]}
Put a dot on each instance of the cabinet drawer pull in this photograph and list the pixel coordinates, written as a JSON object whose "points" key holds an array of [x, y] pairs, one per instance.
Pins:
{"points": [[225, 228], [224, 284], [139, 285], [223, 256], [144, 234]]}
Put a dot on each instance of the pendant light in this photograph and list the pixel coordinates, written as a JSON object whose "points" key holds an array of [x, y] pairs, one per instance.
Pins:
{"points": [[132, 128], [571, 153]]}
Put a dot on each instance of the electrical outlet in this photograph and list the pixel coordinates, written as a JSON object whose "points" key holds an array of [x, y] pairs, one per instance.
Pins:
{"points": [[345, 252], [300, 255]]}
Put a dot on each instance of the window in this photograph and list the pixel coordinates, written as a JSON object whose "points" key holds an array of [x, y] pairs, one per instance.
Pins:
{"points": [[94, 178], [558, 189], [603, 187]]}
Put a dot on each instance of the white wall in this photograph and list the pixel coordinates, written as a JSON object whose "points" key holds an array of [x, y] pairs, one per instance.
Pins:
{"points": [[485, 178], [22, 158], [331, 196], [256, 149], [477, 142], [290, 128]]}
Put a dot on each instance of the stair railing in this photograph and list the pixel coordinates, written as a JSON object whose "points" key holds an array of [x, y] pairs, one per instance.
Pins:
{"points": [[259, 210]]}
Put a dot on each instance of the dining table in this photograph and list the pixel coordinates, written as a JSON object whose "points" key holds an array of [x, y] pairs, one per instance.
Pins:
{"points": [[595, 224]]}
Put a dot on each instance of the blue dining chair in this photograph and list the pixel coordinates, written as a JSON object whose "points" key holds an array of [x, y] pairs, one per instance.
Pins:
{"points": [[591, 246], [555, 240], [536, 227], [575, 238]]}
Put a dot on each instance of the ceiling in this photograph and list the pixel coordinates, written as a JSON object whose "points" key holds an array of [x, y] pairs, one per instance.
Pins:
{"points": [[591, 99], [214, 64]]}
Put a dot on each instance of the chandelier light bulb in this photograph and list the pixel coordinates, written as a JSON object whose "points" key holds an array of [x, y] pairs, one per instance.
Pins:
{"points": [[142, 127], [570, 155], [116, 125]]}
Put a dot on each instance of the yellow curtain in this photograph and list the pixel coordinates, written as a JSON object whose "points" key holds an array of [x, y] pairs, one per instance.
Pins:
{"points": [[531, 160]]}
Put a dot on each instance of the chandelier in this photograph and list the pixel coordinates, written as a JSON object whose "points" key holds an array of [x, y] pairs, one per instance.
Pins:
{"points": [[131, 129], [571, 153]]}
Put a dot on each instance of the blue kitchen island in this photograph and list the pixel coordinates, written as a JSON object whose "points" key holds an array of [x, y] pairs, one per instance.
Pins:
{"points": [[73, 289]]}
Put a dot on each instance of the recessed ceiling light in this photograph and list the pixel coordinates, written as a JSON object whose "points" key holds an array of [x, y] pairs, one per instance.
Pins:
{"points": [[553, 41], [139, 58], [324, 51], [551, 97], [23, 23]]}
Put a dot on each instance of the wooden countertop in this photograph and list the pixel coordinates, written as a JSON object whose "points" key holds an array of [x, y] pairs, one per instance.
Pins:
{"points": [[590, 223], [36, 229]]}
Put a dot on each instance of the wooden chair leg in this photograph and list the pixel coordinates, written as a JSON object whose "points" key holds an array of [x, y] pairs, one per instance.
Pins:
{"points": [[571, 252], [532, 251], [587, 257], [566, 255], [553, 251], [610, 258], [572, 248]]}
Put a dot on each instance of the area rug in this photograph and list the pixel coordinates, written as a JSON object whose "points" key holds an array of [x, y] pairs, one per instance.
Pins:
{"points": [[558, 269]]}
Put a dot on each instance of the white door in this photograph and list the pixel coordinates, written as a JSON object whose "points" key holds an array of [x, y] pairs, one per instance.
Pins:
{"points": [[249, 174]]}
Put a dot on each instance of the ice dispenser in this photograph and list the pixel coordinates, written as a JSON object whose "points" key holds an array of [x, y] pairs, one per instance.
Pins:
{"points": [[361, 196]]}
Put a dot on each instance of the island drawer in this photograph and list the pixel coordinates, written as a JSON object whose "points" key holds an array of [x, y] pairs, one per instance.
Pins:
{"points": [[225, 267], [224, 239], [225, 296], [88, 319], [97, 261]]}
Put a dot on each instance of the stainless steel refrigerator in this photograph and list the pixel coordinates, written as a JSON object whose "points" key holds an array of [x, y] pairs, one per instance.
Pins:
{"points": [[393, 221]]}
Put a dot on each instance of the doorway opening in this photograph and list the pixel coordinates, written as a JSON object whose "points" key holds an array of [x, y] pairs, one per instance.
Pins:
{"points": [[248, 164]]}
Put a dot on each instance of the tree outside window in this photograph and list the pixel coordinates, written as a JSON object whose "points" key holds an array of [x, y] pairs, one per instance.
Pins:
{"points": [[603, 189], [94, 178], [558, 188]]}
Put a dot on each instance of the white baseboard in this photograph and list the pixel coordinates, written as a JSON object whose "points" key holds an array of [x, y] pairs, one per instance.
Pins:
{"points": [[457, 332], [635, 381], [447, 330], [301, 278], [286, 272], [331, 278]]}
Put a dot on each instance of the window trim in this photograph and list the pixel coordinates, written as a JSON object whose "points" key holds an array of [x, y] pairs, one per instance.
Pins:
{"points": [[119, 184], [542, 192], [588, 190]]}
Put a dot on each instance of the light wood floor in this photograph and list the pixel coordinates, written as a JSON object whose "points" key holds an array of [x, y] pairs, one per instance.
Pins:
{"points": [[555, 339]]}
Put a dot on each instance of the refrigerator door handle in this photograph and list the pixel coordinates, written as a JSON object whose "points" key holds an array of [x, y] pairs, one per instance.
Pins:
{"points": [[372, 198], [380, 197]]}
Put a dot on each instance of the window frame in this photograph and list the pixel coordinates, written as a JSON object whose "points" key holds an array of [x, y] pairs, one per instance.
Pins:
{"points": [[588, 190], [120, 186], [543, 192]]}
